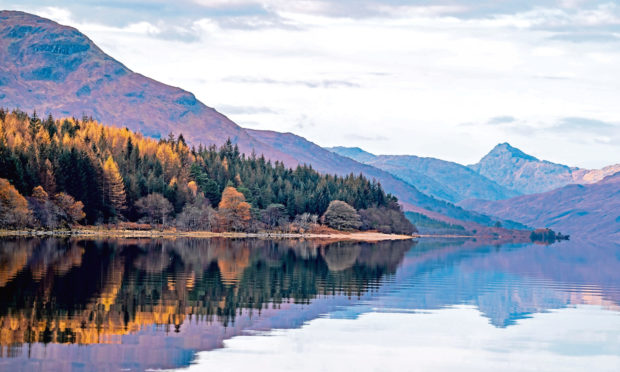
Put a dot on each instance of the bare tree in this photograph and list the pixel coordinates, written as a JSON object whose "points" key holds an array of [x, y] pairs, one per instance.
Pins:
{"points": [[155, 207]]}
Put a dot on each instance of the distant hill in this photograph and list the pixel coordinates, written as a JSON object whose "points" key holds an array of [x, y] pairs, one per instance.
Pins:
{"points": [[354, 153], [304, 151], [584, 210], [442, 179], [56, 69], [525, 174]]}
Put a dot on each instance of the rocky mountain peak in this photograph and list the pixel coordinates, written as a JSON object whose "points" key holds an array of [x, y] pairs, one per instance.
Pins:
{"points": [[506, 150]]}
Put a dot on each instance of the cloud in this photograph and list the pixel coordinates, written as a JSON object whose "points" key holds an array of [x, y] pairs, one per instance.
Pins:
{"points": [[367, 138], [305, 83], [244, 110], [577, 37], [574, 130], [584, 125], [501, 120]]}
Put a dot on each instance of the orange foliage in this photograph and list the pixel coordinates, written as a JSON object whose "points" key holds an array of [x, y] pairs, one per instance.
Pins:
{"points": [[234, 211], [14, 210], [114, 187], [73, 209]]}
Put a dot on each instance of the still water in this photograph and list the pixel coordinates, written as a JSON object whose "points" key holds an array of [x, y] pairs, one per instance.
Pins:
{"points": [[232, 305]]}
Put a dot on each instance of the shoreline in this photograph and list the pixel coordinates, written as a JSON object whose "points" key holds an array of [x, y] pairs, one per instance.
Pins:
{"points": [[361, 236], [113, 233]]}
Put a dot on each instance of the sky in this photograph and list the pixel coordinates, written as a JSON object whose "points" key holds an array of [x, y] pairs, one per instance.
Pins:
{"points": [[444, 78]]}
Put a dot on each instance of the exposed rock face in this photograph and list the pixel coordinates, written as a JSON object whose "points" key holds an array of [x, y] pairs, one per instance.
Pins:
{"points": [[56, 69], [515, 170], [583, 210], [442, 179]]}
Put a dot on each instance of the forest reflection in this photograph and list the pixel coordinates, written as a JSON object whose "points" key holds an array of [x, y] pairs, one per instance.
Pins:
{"points": [[94, 291]]}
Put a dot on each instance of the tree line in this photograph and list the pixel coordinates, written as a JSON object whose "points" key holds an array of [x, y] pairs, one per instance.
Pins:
{"points": [[61, 172]]}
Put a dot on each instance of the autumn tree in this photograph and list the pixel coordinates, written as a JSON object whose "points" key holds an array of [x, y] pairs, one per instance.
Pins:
{"points": [[44, 210], [48, 181], [63, 209], [341, 216], [197, 215], [71, 211], [274, 215], [233, 210], [155, 207], [114, 188], [14, 210], [306, 221]]}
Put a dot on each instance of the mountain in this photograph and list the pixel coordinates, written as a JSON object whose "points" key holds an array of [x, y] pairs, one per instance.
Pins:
{"points": [[57, 70], [354, 153], [525, 174], [583, 210], [325, 161], [442, 179]]}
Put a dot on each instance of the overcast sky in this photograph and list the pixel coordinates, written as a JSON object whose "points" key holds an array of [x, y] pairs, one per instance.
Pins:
{"points": [[442, 78]]}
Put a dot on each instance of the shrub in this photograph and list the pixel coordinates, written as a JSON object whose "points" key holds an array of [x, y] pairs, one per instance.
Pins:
{"points": [[341, 216], [386, 220]]}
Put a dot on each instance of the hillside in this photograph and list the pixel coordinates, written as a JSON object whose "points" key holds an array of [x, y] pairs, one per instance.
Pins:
{"points": [[516, 170], [57, 70], [322, 160], [442, 179], [583, 210]]}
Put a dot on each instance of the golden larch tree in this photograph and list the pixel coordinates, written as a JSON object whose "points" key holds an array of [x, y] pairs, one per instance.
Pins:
{"points": [[14, 210], [114, 187]]}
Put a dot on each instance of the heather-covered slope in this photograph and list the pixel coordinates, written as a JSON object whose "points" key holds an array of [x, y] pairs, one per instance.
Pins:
{"points": [[442, 179], [56, 69], [326, 161], [584, 210], [515, 170]]}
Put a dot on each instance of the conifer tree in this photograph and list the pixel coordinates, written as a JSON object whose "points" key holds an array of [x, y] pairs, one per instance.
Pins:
{"points": [[113, 185]]}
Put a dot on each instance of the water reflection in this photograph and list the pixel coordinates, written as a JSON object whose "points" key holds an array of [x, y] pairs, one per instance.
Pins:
{"points": [[95, 292], [138, 304]]}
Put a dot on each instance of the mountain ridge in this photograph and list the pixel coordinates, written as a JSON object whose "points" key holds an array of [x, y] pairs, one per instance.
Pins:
{"points": [[585, 210], [512, 168], [442, 179], [55, 69]]}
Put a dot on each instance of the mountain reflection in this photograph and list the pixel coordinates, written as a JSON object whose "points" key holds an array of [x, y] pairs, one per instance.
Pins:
{"points": [[138, 304], [508, 282]]}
